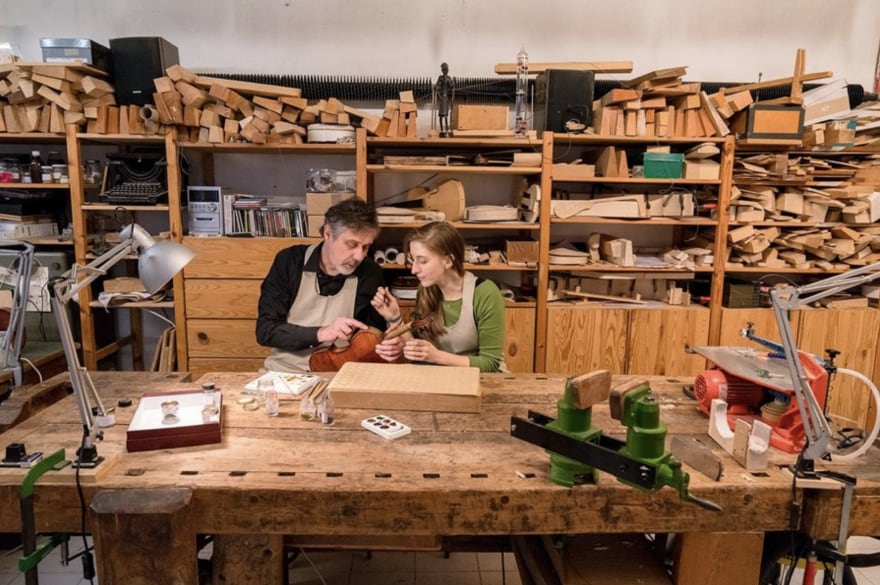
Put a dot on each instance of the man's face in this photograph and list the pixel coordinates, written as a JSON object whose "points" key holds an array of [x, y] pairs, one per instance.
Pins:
{"points": [[344, 253]]}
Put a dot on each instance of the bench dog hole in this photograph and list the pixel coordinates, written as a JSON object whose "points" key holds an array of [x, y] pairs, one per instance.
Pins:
{"points": [[237, 473], [334, 474], [286, 473], [382, 475], [479, 475], [135, 472], [187, 472], [431, 475]]}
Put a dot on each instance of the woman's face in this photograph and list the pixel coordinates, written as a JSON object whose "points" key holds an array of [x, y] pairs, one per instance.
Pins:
{"points": [[430, 268]]}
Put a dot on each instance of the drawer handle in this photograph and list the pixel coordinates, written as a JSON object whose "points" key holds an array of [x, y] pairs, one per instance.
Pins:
{"points": [[203, 337]]}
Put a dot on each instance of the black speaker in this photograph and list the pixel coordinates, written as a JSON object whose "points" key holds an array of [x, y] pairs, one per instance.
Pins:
{"points": [[136, 62], [563, 95]]}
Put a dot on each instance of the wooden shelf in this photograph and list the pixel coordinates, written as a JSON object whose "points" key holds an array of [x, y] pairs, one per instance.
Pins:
{"points": [[440, 143], [613, 268], [643, 181], [472, 267], [136, 305], [120, 138], [765, 270], [466, 225], [36, 186], [458, 169], [248, 148], [646, 221], [109, 207], [596, 140], [32, 138]]}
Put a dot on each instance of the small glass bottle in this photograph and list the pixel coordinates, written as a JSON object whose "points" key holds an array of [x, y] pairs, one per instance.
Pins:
{"points": [[327, 409], [36, 167], [209, 405], [272, 404]]}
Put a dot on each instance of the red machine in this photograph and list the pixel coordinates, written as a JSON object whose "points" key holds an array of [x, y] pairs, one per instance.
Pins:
{"points": [[760, 392]]}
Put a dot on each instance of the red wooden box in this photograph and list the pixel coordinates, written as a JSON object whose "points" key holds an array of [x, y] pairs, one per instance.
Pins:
{"points": [[150, 429]]}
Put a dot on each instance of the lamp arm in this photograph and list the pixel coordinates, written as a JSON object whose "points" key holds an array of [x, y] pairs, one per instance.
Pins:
{"points": [[816, 427], [69, 284]]}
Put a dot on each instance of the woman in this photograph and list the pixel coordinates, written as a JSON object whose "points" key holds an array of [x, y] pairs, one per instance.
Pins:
{"points": [[466, 313]]}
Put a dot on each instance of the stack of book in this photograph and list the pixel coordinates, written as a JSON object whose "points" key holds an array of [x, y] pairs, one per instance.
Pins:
{"points": [[22, 227], [255, 215]]}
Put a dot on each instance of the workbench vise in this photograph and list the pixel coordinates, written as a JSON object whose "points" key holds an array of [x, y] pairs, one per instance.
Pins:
{"points": [[578, 450]]}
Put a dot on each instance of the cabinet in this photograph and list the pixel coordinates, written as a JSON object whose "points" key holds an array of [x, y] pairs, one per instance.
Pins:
{"points": [[574, 336], [85, 208], [488, 179]]}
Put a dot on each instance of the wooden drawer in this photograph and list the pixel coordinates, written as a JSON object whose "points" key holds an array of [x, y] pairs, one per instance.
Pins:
{"points": [[519, 339], [580, 340], [223, 338], [235, 257], [221, 298]]}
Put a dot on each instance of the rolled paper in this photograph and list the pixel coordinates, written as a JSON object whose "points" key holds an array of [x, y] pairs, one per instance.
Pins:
{"points": [[507, 293], [392, 255], [379, 257]]}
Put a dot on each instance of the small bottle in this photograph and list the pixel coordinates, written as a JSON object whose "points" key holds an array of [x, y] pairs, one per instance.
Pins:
{"points": [[327, 409], [36, 167], [272, 405], [209, 406]]}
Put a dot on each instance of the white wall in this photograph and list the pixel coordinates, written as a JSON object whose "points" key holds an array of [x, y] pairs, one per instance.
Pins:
{"points": [[719, 40]]}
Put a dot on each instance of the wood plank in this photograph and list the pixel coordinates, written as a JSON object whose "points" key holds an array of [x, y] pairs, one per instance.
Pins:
{"points": [[597, 66]]}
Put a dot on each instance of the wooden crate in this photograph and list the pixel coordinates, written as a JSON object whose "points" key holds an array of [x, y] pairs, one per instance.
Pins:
{"points": [[521, 251]]}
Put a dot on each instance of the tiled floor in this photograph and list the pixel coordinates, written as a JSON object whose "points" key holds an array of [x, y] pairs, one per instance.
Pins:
{"points": [[381, 568]]}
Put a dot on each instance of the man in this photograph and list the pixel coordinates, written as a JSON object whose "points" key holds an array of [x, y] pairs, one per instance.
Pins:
{"points": [[315, 295]]}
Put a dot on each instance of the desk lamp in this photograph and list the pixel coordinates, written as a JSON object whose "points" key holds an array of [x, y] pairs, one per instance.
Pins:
{"points": [[158, 262], [11, 342], [816, 427]]}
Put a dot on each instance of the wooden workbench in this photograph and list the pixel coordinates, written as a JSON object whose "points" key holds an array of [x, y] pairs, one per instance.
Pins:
{"points": [[456, 474]]}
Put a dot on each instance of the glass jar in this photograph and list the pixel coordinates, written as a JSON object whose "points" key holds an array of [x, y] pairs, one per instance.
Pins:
{"points": [[92, 172]]}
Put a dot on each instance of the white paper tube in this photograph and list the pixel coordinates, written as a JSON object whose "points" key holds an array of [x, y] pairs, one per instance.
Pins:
{"points": [[379, 257], [392, 255], [507, 292]]}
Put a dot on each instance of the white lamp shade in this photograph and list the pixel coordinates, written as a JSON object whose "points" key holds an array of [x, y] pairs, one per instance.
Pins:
{"points": [[159, 263]]}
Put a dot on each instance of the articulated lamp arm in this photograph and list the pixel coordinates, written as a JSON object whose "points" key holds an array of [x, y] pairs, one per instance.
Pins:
{"points": [[816, 428], [157, 264]]}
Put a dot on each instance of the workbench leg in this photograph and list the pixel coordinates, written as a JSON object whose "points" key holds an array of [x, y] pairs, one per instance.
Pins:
{"points": [[144, 537], [720, 558], [248, 558]]}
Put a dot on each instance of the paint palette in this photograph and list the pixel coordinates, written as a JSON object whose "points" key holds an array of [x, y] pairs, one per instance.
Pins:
{"points": [[385, 426]]}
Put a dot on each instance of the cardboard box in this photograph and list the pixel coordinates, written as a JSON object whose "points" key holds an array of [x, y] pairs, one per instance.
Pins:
{"points": [[663, 166], [826, 102], [567, 172], [314, 225], [774, 122], [124, 284], [671, 205], [708, 170], [474, 117], [521, 251], [319, 203]]}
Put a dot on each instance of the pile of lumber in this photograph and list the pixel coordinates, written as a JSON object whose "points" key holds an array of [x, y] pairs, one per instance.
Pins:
{"points": [[44, 97], [658, 104]]}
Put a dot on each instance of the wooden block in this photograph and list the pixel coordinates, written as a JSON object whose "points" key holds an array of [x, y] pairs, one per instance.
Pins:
{"points": [[407, 97], [401, 124], [135, 122], [220, 93], [163, 84], [381, 128], [328, 118], [162, 108], [481, 117], [272, 105], [112, 120], [343, 119], [230, 127], [393, 124], [295, 102], [191, 116], [251, 134], [101, 121], [45, 115], [290, 114], [190, 95], [105, 100], [411, 126], [175, 107], [209, 119], [261, 125], [62, 100], [10, 122], [215, 135], [54, 83], [94, 87], [221, 110], [620, 95], [179, 73]]}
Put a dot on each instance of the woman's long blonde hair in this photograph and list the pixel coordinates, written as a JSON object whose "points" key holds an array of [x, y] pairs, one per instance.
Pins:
{"points": [[441, 238]]}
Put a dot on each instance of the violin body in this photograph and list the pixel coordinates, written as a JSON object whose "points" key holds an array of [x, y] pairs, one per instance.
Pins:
{"points": [[361, 348]]}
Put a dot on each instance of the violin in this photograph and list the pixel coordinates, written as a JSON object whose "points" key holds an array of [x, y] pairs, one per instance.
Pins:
{"points": [[361, 347]]}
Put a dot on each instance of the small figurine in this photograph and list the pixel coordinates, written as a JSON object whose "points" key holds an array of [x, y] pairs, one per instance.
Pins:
{"points": [[444, 91]]}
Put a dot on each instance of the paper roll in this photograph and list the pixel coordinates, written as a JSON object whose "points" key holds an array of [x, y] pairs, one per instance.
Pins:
{"points": [[379, 257], [392, 255], [507, 292], [149, 112]]}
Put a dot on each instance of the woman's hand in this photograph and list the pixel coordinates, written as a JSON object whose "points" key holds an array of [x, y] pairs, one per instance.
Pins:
{"points": [[386, 305], [390, 350], [419, 350]]}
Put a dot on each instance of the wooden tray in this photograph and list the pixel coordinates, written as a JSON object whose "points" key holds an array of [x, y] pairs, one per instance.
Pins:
{"points": [[147, 431]]}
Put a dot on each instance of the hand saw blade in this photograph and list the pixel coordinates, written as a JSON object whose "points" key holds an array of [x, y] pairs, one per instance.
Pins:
{"points": [[694, 452]]}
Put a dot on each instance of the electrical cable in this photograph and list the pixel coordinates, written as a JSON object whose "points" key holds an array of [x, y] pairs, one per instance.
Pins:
{"points": [[869, 441], [88, 563], [314, 568], [34, 368]]}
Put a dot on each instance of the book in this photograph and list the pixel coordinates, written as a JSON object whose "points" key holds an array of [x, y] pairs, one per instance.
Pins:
{"points": [[286, 382]]}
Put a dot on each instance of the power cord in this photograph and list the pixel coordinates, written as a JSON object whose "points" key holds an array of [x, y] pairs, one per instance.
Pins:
{"points": [[34, 368], [88, 561], [314, 568]]}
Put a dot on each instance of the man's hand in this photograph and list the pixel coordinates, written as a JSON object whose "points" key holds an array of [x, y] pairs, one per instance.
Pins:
{"points": [[340, 328]]}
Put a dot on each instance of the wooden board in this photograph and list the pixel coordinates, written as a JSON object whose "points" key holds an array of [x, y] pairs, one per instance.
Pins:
{"points": [[597, 66], [407, 387]]}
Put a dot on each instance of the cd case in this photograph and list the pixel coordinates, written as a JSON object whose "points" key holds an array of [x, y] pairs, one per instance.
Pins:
{"points": [[286, 382]]}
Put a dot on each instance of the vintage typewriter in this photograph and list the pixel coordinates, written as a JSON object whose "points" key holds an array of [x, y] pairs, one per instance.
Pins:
{"points": [[136, 178]]}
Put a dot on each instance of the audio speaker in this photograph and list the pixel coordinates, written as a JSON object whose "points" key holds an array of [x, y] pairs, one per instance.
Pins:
{"points": [[136, 62], [563, 95]]}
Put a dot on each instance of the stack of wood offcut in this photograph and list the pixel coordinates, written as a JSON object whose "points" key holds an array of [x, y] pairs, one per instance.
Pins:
{"points": [[44, 97], [658, 104]]}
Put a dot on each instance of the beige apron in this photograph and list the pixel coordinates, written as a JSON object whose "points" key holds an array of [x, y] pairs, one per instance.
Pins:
{"points": [[311, 309]]}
